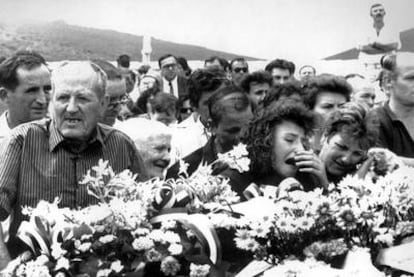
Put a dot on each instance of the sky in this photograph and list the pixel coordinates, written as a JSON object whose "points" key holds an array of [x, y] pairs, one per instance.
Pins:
{"points": [[304, 30]]}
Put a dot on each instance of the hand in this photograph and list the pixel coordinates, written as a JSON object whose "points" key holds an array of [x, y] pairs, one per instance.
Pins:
{"points": [[4, 253], [309, 162], [365, 167]]}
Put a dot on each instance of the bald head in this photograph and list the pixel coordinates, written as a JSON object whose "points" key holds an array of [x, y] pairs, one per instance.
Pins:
{"points": [[80, 75]]}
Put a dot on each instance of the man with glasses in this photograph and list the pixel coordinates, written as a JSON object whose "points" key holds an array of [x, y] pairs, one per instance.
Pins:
{"points": [[256, 85], [238, 69], [172, 82], [281, 70], [115, 92]]}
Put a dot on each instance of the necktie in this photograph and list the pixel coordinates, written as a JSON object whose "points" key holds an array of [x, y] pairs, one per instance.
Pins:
{"points": [[171, 88]]}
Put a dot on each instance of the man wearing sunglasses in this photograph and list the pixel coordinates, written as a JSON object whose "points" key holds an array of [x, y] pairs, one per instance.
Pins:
{"points": [[238, 69]]}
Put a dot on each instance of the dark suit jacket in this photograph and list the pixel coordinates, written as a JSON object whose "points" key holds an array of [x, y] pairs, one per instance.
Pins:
{"points": [[182, 86]]}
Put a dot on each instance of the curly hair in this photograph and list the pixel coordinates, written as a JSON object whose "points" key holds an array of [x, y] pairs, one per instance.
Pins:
{"points": [[281, 91], [280, 63], [259, 138], [353, 120], [323, 83], [261, 77], [204, 80]]}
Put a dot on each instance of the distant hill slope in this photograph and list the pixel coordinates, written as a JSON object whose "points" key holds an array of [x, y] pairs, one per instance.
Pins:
{"points": [[60, 41]]}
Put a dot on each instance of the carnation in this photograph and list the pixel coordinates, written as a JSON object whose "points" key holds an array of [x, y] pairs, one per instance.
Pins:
{"points": [[142, 243], [199, 270]]}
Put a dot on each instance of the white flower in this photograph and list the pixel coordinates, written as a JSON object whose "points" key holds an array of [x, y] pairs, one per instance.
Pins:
{"points": [[142, 243], [84, 247], [117, 266], [42, 260], [86, 236], [171, 237], [175, 249], [107, 238], [183, 167], [157, 235], [103, 272], [199, 270], [62, 262]]}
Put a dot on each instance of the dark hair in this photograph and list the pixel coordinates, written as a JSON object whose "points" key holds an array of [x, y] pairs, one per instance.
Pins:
{"points": [[223, 62], [124, 60], [259, 138], [353, 120], [323, 83], [238, 59], [112, 73], [143, 69], [255, 77], [164, 102], [280, 63], [184, 64], [238, 102], [204, 80], [163, 57], [286, 90], [21, 59]]}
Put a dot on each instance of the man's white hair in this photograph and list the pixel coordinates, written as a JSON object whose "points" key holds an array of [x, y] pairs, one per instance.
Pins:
{"points": [[142, 129]]}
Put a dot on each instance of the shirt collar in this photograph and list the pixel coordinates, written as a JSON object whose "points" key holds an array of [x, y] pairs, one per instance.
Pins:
{"points": [[56, 138]]}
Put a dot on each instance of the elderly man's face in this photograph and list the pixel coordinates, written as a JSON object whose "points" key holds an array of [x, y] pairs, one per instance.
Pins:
{"points": [[29, 100], [156, 154], [77, 107]]}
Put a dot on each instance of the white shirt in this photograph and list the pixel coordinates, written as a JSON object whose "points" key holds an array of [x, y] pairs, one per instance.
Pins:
{"points": [[4, 127], [387, 35], [188, 136], [166, 85], [4, 133]]}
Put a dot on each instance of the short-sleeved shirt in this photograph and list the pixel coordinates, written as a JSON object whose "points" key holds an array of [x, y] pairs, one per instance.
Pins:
{"points": [[393, 134], [36, 164]]}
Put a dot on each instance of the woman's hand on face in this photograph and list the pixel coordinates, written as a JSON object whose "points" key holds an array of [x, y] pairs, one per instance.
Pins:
{"points": [[308, 162], [365, 167]]}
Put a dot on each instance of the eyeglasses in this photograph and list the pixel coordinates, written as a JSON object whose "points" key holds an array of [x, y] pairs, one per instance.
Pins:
{"points": [[240, 69], [186, 110]]}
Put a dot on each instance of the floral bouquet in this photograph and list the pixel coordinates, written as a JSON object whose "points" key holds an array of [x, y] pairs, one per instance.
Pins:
{"points": [[355, 213], [136, 229]]}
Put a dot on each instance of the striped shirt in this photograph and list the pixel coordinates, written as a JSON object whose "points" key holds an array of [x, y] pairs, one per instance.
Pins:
{"points": [[35, 164]]}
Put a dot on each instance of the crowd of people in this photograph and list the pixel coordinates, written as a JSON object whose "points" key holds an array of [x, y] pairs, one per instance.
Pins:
{"points": [[315, 127]]}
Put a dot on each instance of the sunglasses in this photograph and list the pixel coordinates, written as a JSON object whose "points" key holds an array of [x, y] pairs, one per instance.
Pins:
{"points": [[241, 69]]}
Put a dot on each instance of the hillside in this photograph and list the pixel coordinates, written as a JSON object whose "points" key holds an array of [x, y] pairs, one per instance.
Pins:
{"points": [[60, 41]]}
